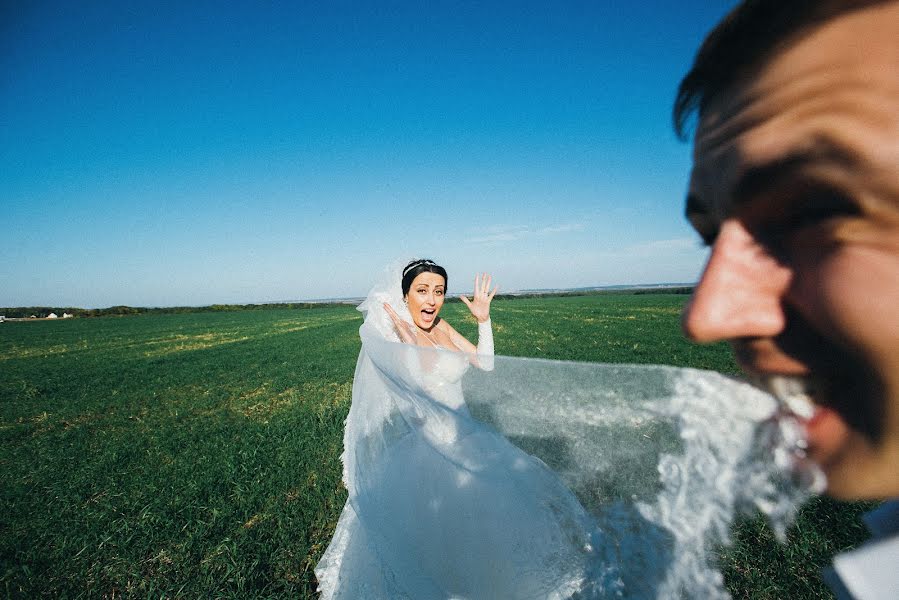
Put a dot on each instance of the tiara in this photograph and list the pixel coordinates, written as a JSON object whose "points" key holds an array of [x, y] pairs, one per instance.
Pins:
{"points": [[418, 263]]}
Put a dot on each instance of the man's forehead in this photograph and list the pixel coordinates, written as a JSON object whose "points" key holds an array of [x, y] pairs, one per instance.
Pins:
{"points": [[801, 100]]}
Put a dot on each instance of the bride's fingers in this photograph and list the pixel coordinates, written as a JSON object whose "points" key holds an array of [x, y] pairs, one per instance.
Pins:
{"points": [[465, 300], [482, 282], [493, 293]]}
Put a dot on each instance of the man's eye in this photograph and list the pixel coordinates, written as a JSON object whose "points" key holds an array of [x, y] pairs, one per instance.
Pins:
{"points": [[818, 206], [707, 236], [704, 225], [707, 240], [801, 218]]}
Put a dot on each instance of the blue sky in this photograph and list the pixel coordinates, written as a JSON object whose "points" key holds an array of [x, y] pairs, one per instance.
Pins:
{"points": [[189, 153]]}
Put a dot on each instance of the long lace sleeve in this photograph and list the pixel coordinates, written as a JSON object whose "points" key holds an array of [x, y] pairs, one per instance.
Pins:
{"points": [[485, 345]]}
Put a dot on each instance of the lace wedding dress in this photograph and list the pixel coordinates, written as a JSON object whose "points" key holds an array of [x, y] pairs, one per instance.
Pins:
{"points": [[637, 477]]}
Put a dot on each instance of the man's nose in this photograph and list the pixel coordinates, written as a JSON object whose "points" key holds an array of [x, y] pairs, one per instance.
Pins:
{"points": [[741, 291]]}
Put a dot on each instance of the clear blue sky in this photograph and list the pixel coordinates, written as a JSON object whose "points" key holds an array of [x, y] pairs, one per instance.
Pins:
{"points": [[188, 153]]}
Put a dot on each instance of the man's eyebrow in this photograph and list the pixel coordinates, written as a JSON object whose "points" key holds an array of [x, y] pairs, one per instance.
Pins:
{"points": [[758, 179]]}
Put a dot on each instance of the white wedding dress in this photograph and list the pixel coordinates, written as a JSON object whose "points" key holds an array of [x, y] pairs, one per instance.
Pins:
{"points": [[644, 482]]}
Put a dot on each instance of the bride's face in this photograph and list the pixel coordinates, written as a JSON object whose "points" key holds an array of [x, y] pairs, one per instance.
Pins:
{"points": [[425, 298]]}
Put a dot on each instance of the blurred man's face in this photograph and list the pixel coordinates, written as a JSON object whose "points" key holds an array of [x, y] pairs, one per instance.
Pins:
{"points": [[795, 186]]}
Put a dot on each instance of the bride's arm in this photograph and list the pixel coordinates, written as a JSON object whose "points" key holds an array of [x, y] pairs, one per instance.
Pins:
{"points": [[458, 340], [481, 355], [485, 345], [479, 305]]}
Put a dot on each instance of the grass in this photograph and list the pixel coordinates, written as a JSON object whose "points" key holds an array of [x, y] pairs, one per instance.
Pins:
{"points": [[198, 454]]}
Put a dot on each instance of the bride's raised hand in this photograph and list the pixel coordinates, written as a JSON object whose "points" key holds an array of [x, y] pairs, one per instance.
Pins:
{"points": [[403, 329], [479, 305]]}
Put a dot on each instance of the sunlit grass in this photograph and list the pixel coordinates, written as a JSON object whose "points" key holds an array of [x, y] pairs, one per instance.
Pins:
{"points": [[197, 455]]}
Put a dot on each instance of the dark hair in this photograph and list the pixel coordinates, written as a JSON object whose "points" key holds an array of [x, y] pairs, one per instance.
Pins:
{"points": [[417, 267], [742, 43]]}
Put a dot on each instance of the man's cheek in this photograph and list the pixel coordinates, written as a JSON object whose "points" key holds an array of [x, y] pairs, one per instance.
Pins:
{"points": [[857, 295]]}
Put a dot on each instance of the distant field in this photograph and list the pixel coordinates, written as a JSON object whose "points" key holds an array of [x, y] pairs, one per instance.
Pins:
{"points": [[197, 454]]}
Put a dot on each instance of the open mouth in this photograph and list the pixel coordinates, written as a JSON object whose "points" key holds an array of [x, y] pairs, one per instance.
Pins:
{"points": [[794, 394], [428, 314], [795, 424], [800, 396]]}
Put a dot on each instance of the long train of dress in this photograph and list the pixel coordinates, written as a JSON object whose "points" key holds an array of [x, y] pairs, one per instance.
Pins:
{"points": [[541, 479]]}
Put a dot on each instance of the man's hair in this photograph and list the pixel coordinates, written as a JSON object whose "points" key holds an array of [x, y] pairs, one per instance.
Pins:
{"points": [[743, 42]]}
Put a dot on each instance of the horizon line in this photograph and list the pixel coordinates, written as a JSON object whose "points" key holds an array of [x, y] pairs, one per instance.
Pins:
{"points": [[351, 299]]}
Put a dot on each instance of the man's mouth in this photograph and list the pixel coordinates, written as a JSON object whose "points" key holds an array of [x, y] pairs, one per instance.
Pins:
{"points": [[798, 420], [794, 393], [809, 399]]}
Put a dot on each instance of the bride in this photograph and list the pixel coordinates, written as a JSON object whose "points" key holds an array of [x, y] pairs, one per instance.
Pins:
{"points": [[650, 465], [440, 505], [424, 290]]}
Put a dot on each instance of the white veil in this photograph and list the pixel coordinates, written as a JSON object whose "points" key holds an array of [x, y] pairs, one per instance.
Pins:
{"points": [[638, 474]]}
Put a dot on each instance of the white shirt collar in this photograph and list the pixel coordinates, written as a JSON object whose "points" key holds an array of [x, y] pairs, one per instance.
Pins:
{"points": [[871, 572]]}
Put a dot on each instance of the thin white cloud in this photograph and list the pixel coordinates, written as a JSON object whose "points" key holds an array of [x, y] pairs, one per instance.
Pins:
{"points": [[508, 227], [564, 228], [498, 234], [662, 247], [495, 234], [496, 238]]}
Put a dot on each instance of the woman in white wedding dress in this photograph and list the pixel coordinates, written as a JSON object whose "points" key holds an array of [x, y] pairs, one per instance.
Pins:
{"points": [[650, 465], [424, 291], [440, 505]]}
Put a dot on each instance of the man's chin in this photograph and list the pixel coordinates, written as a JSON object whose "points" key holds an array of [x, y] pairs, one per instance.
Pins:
{"points": [[856, 469]]}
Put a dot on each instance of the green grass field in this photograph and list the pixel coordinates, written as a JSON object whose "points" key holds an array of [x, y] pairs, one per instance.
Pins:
{"points": [[197, 455]]}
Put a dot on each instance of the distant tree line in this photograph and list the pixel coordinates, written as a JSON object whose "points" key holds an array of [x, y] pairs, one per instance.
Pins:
{"points": [[18, 312], [680, 290], [684, 290], [42, 311]]}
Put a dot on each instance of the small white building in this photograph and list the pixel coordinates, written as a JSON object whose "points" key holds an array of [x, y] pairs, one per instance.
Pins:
{"points": [[66, 315], [52, 316]]}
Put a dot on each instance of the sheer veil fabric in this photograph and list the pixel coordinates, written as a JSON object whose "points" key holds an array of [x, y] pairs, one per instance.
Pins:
{"points": [[540, 479]]}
